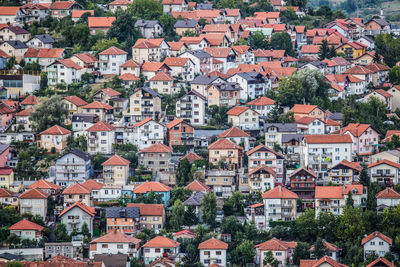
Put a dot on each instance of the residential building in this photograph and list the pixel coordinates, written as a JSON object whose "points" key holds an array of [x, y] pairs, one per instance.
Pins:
{"points": [[163, 83], [381, 262], [73, 167], [76, 215], [275, 131], [122, 219], [365, 138], [12, 15], [61, 9], [302, 182], [222, 182], [25, 229], [8, 198], [352, 50], [333, 198], [202, 82], [115, 243], [253, 84], [227, 152], [152, 50], [82, 121], [73, 103], [156, 158], [202, 62], [391, 155], [64, 71], [6, 177], [223, 94], [376, 26], [384, 172], [76, 15], [45, 186], [14, 48], [87, 61], [387, 198], [308, 111], [33, 201], [244, 118], [111, 59], [122, 4], [44, 56], [191, 108], [146, 133], [184, 26], [65, 249], [144, 102], [156, 187], [331, 250], [263, 155], [197, 186], [345, 172], [262, 104], [377, 243], [160, 246], [152, 216], [180, 133], [102, 110], [213, 251], [131, 67], [324, 261], [101, 138], [237, 136], [14, 33], [77, 193], [181, 68], [261, 179], [280, 204], [194, 203], [170, 6], [116, 170], [54, 138], [281, 250], [149, 28]]}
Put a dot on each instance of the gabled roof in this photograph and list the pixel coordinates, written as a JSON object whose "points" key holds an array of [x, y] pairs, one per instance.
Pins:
{"points": [[261, 101], [388, 193], [224, 143], [128, 212], [213, 243], [78, 13], [303, 109], [152, 66], [263, 168], [9, 10], [89, 210], [352, 165], [233, 132], [156, 148], [75, 189], [303, 168], [101, 126], [175, 122], [113, 51], [321, 262], [116, 160], [120, 2], [100, 22], [274, 244], [43, 184], [86, 57], [44, 53], [265, 148], [337, 192], [109, 91], [24, 224], [381, 262], [17, 44], [328, 139], [56, 130], [176, 46], [148, 209], [5, 193], [77, 101], [129, 77], [130, 63], [33, 193], [161, 76], [196, 185], [310, 49], [116, 237], [357, 129], [68, 63], [376, 234], [151, 186], [237, 110], [30, 100], [161, 242], [385, 161], [191, 157], [62, 5], [98, 105], [280, 192], [91, 184], [328, 246], [358, 70]]}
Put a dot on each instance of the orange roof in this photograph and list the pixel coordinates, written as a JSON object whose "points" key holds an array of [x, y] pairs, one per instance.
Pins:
{"points": [[191, 39], [69, 64], [224, 143], [321, 262], [100, 126], [388, 193], [148, 209], [25, 112], [30, 100], [156, 148], [218, 52], [213, 243], [56, 130], [233, 132], [360, 70], [161, 242], [381, 262], [43, 184], [44, 52], [191, 157], [116, 160], [131, 63], [264, 168], [89, 210], [303, 109], [86, 57], [91, 184], [33, 193], [77, 101], [145, 44], [161, 76], [328, 246], [75, 189], [116, 237], [261, 146], [110, 92], [113, 51], [98, 105], [9, 10], [152, 66], [328, 139], [376, 234], [79, 13], [257, 205], [24, 224], [62, 4], [5, 193], [336, 192], [304, 120], [310, 49], [236, 111], [100, 22], [196, 185], [356, 129], [151, 186], [120, 2], [143, 122], [261, 101], [275, 244], [3, 54], [241, 49], [176, 61], [173, 123], [176, 46], [385, 161], [383, 93], [129, 77], [280, 192]]}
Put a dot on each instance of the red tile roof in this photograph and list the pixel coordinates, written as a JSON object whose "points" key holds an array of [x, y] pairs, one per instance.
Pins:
{"points": [[218, 52], [129, 77], [385, 161], [236, 111], [213, 244], [86, 57], [101, 126], [43, 184], [381, 262], [337, 192], [263, 168], [261, 146], [76, 189], [131, 64], [33, 193], [56, 130], [328, 139], [173, 123], [376, 234], [62, 5], [116, 237], [275, 244], [388, 193], [176, 46], [321, 262], [196, 185], [156, 148], [356, 129], [120, 2], [176, 61], [148, 209], [89, 210], [100, 22], [352, 165], [44, 53], [191, 157], [24, 224], [358, 70], [5, 193], [76, 100], [161, 76], [98, 105], [143, 122], [151, 186], [111, 92], [328, 246], [4, 54], [152, 66], [224, 143], [78, 13], [161, 242], [261, 101], [233, 132], [69, 64], [116, 160], [280, 192], [310, 49], [303, 109], [113, 51], [6, 171], [9, 10], [30, 100], [91, 184]]}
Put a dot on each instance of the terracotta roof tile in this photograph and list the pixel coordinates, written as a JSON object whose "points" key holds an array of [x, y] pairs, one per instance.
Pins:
{"points": [[303, 109], [263, 147], [30, 100], [337, 192], [381, 262], [152, 66], [173, 123], [120, 2], [131, 63], [356, 129], [5, 193], [116, 160], [176, 46], [310, 49], [280, 192], [43, 184], [56, 130], [148, 209], [111, 92], [156, 148], [385, 161], [77, 101], [9, 10], [224, 143], [360, 70], [263, 168], [236, 111], [44, 53], [129, 77], [116, 237], [86, 58], [91, 184], [261, 101], [176, 61], [328, 139], [100, 22], [151, 186], [69, 64], [352, 165], [275, 244], [33, 193], [75, 189], [191, 157], [388, 193], [196, 185], [101, 126], [233, 132], [78, 13], [162, 76], [328, 246], [213, 244], [113, 51], [24, 224], [161, 242], [321, 262], [98, 105], [62, 5], [89, 210], [376, 234]]}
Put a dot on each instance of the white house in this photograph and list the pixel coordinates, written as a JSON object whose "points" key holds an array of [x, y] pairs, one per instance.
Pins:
{"points": [[213, 251], [64, 71], [262, 104], [244, 117], [160, 246], [115, 243], [253, 83], [41, 41], [111, 59], [310, 125], [376, 243], [387, 198], [76, 215], [191, 108], [73, 167], [181, 67], [384, 172], [147, 132], [101, 138]]}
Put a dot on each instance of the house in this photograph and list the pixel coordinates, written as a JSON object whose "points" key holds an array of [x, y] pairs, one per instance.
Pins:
{"points": [[22, 120], [117, 260], [202, 82], [262, 104], [64, 249], [381, 262], [321, 152], [352, 50], [64, 71], [323, 262], [115, 243], [33, 201], [44, 56], [331, 250], [156, 187], [186, 25], [163, 83], [261, 179], [8, 198], [12, 15], [302, 182], [149, 28], [111, 59], [25, 229], [179, 133], [61, 9], [181, 68], [129, 80], [384, 172], [275, 131], [223, 94], [3, 60], [131, 67], [54, 138], [263, 155], [116, 170], [310, 125], [237, 136], [333, 198], [73, 167], [170, 6], [101, 138], [6, 177], [106, 95], [14, 48], [377, 243], [194, 203], [14, 33], [76, 15], [365, 138], [100, 24], [45, 186], [122, 219], [311, 51], [160, 246], [366, 59], [395, 92], [76, 215], [195, 43], [150, 50], [387, 198], [377, 26], [380, 73], [152, 216], [143, 103], [308, 111], [5, 155], [87, 61], [350, 83], [213, 251], [177, 48], [221, 182], [360, 72], [146, 133], [75, 193], [102, 110], [345, 172], [73, 104], [227, 152], [280, 204], [150, 69], [122, 4], [197, 186], [253, 84], [191, 108], [391, 155], [281, 250], [82, 121], [157, 158], [225, 54]]}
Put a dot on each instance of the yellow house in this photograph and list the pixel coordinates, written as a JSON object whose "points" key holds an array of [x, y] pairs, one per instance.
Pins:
{"points": [[75, 193], [116, 170], [244, 117], [352, 50], [345, 172], [226, 151], [72, 103], [56, 136], [6, 177]]}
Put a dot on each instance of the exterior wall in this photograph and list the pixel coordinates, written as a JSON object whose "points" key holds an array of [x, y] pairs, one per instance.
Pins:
{"points": [[101, 142], [148, 134], [181, 134], [266, 158], [377, 245], [110, 64], [279, 209], [27, 234], [59, 142], [152, 222], [229, 156], [247, 120], [112, 248], [364, 143], [75, 218], [212, 256], [71, 199], [384, 173], [116, 175], [156, 162], [150, 254], [6, 180], [33, 206], [58, 73], [141, 55], [143, 105], [191, 109], [123, 225], [71, 169], [280, 255]]}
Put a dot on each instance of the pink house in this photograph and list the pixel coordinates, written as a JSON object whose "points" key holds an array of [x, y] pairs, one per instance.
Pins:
{"points": [[281, 250], [7, 115], [365, 138], [4, 154]]}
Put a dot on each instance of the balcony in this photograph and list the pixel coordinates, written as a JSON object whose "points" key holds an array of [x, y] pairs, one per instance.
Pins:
{"points": [[147, 104], [92, 136], [186, 108], [72, 221], [147, 112], [382, 174], [274, 214], [287, 205]]}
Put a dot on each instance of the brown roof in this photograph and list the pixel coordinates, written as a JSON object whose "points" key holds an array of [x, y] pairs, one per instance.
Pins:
{"points": [[148, 209], [156, 148], [218, 52], [261, 146], [161, 242], [261, 101], [263, 168], [30, 100], [376, 234], [280, 192], [56, 130], [151, 186], [113, 51], [224, 143], [173, 123], [24, 224], [5, 193], [213, 243], [89, 210], [196, 185], [233, 132], [143, 122], [33, 193], [101, 126], [98, 105], [77, 101], [388, 193], [116, 237], [328, 139], [191, 157], [116, 160], [44, 52], [360, 70], [75, 189], [310, 171]]}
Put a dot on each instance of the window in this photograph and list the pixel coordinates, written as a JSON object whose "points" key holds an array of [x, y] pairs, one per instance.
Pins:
{"points": [[158, 250], [104, 246], [120, 246], [218, 252]]}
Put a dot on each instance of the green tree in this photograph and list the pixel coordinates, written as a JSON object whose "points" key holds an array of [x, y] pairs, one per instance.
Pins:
{"points": [[282, 41], [258, 40], [168, 22], [301, 252], [103, 44], [178, 214], [364, 177], [190, 218], [146, 9], [394, 75], [377, 58], [182, 174], [191, 256], [287, 117], [323, 50], [244, 253], [61, 233], [180, 193], [48, 113], [11, 62], [270, 260], [14, 264], [349, 200], [319, 248], [209, 209]]}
